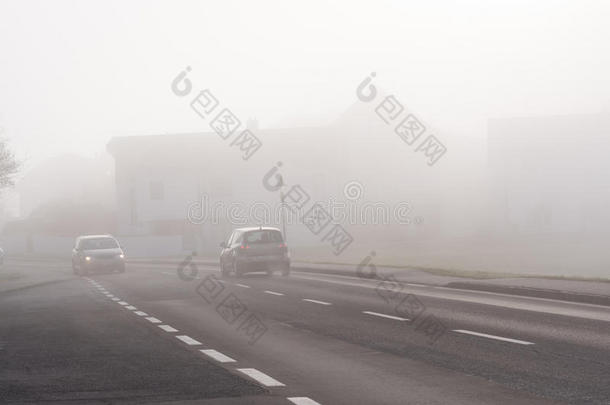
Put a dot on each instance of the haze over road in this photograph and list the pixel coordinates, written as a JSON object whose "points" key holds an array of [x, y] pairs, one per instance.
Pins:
{"points": [[148, 335]]}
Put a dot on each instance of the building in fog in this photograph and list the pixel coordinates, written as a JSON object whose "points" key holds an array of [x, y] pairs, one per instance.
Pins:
{"points": [[549, 174]]}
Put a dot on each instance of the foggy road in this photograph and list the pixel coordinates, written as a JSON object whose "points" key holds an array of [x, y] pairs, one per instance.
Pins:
{"points": [[150, 335]]}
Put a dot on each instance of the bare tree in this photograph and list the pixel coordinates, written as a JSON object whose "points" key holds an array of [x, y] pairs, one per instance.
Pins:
{"points": [[9, 166]]}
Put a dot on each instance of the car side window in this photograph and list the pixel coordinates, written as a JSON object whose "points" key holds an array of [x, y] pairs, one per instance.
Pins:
{"points": [[237, 238]]}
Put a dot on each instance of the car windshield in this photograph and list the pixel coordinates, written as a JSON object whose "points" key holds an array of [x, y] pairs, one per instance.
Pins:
{"points": [[263, 236], [98, 243]]}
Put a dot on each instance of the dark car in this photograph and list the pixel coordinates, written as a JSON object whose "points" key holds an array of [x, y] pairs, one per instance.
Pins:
{"points": [[96, 253], [254, 249]]}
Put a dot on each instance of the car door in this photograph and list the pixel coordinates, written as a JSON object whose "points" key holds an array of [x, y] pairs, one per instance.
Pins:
{"points": [[225, 252]]}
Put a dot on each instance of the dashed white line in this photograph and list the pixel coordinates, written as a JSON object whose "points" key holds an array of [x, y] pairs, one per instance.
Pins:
{"points": [[216, 355], [188, 340], [396, 318], [273, 292], [485, 335], [109, 295], [242, 285], [131, 307], [116, 299], [261, 377], [316, 301], [152, 319], [168, 328], [303, 401], [140, 313], [123, 303]]}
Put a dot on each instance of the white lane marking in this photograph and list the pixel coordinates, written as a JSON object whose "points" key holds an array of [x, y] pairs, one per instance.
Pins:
{"points": [[242, 285], [261, 377], [123, 303], [272, 292], [140, 313], [109, 295], [188, 340], [152, 319], [417, 285], [396, 318], [131, 307], [116, 299], [302, 401], [167, 328], [316, 301], [217, 356], [485, 335]]}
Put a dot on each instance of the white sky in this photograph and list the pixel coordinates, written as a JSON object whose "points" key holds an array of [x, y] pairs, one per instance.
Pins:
{"points": [[75, 73]]}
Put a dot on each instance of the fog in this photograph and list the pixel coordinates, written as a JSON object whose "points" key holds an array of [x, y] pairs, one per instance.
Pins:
{"points": [[102, 103]]}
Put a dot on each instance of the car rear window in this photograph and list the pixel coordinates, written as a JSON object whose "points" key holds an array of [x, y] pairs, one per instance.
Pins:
{"points": [[98, 243], [263, 236]]}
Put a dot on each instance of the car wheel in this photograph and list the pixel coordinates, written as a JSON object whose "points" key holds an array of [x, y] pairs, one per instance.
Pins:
{"points": [[224, 270], [236, 269]]}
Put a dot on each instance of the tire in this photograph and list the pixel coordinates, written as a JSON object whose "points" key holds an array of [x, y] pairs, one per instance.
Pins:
{"points": [[236, 270], [224, 272]]}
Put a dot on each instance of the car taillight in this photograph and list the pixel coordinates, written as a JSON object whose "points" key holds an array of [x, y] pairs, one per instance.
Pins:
{"points": [[244, 247], [282, 245]]}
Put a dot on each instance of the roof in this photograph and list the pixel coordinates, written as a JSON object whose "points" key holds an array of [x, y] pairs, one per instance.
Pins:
{"points": [[257, 228], [94, 236]]}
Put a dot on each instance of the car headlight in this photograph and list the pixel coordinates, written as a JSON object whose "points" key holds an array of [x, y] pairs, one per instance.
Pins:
{"points": [[88, 258], [121, 256]]}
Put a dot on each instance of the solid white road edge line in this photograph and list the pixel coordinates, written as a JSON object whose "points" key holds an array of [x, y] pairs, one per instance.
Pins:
{"points": [[242, 285], [188, 340], [396, 318], [261, 377], [485, 335], [216, 355], [316, 301]]}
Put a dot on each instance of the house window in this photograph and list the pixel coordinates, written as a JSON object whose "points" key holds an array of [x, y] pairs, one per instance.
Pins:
{"points": [[156, 190]]}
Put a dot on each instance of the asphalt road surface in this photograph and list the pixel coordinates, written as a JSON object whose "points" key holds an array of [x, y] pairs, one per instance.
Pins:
{"points": [[150, 335]]}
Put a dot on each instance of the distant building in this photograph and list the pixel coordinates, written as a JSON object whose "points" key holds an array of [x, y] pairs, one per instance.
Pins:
{"points": [[550, 174]]}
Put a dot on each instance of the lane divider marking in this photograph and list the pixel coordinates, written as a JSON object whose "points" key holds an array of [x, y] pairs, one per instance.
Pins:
{"points": [[216, 355], [140, 313], [242, 285], [396, 318], [188, 340], [302, 401], [152, 319], [131, 307], [168, 328], [273, 292], [316, 301], [123, 303], [116, 299], [261, 377], [485, 335]]}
